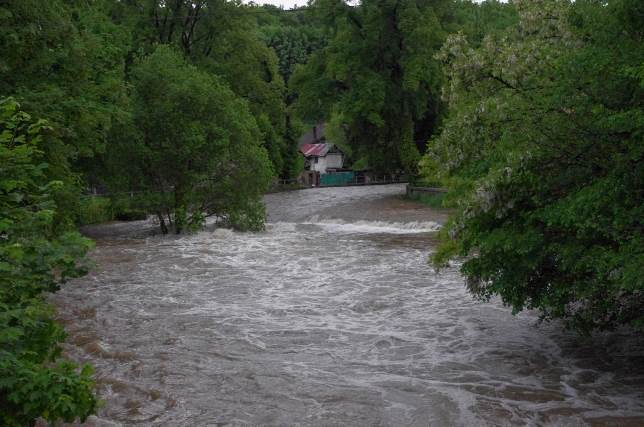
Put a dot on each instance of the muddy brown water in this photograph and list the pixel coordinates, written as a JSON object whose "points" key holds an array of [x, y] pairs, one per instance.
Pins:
{"points": [[332, 317]]}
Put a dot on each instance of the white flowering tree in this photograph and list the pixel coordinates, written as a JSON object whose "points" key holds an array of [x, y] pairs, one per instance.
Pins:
{"points": [[543, 152]]}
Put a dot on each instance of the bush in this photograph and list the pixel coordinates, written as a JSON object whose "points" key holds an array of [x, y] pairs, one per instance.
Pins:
{"points": [[543, 148], [36, 257], [249, 218], [95, 210]]}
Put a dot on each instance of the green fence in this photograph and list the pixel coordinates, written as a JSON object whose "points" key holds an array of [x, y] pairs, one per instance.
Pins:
{"points": [[337, 178]]}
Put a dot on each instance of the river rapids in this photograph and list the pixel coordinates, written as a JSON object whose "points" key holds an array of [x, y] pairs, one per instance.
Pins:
{"points": [[332, 317]]}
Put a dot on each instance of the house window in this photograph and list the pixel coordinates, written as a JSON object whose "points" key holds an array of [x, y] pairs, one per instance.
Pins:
{"points": [[315, 160]]}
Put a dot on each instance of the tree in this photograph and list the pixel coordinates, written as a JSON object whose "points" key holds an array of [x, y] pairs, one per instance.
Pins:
{"points": [[64, 62], [293, 44], [193, 146], [379, 74], [221, 38], [35, 258], [479, 19], [543, 151], [294, 36]]}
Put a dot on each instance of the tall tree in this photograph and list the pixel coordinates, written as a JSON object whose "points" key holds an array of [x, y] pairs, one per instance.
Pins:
{"points": [[221, 37], [379, 73], [293, 40], [193, 146], [543, 149], [294, 35], [64, 61]]}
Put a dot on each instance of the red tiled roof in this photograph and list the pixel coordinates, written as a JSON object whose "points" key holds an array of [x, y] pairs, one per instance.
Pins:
{"points": [[316, 150]]}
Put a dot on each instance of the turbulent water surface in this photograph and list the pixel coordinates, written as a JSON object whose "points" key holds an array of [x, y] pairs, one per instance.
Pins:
{"points": [[332, 317]]}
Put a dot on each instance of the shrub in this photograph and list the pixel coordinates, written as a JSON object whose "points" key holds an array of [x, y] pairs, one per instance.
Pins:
{"points": [[35, 257], [95, 210]]}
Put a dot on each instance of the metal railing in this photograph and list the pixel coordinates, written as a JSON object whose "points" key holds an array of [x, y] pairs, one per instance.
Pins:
{"points": [[356, 181]]}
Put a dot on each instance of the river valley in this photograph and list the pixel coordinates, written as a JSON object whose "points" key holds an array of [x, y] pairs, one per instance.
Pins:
{"points": [[332, 317]]}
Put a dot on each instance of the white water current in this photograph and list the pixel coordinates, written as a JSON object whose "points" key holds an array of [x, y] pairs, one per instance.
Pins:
{"points": [[332, 317]]}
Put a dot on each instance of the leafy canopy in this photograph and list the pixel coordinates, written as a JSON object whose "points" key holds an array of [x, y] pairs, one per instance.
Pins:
{"points": [[543, 151], [378, 76], [193, 146]]}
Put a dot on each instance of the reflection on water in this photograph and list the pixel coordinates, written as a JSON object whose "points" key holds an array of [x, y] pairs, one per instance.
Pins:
{"points": [[330, 317]]}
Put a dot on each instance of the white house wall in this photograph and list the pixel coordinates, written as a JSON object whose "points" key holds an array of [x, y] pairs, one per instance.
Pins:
{"points": [[333, 161], [330, 161], [320, 166]]}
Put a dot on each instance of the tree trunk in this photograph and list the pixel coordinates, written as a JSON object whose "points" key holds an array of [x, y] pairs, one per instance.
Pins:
{"points": [[164, 227]]}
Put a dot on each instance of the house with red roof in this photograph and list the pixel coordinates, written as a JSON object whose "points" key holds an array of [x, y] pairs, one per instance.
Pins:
{"points": [[320, 156]]}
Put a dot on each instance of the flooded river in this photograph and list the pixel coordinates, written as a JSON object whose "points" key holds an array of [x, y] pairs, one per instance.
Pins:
{"points": [[332, 317]]}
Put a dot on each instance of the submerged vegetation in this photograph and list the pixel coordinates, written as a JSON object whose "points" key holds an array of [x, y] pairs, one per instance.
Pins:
{"points": [[97, 209], [529, 112]]}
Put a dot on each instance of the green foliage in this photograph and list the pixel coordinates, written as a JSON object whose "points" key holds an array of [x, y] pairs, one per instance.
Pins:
{"points": [[379, 74], [221, 38], [193, 147], [64, 61], [293, 160], [293, 43], [34, 259], [293, 36], [479, 19], [432, 200], [95, 210], [543, 149], [335, 132], [248, 218], [69, 62]]}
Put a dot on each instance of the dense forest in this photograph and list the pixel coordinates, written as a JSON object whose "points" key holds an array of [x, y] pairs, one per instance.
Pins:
{"points": [[529, 112]]}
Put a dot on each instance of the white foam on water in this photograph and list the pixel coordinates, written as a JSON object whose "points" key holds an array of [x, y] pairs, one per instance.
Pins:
{"points": [[281, 227], [372, 227], [223, 233]]}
